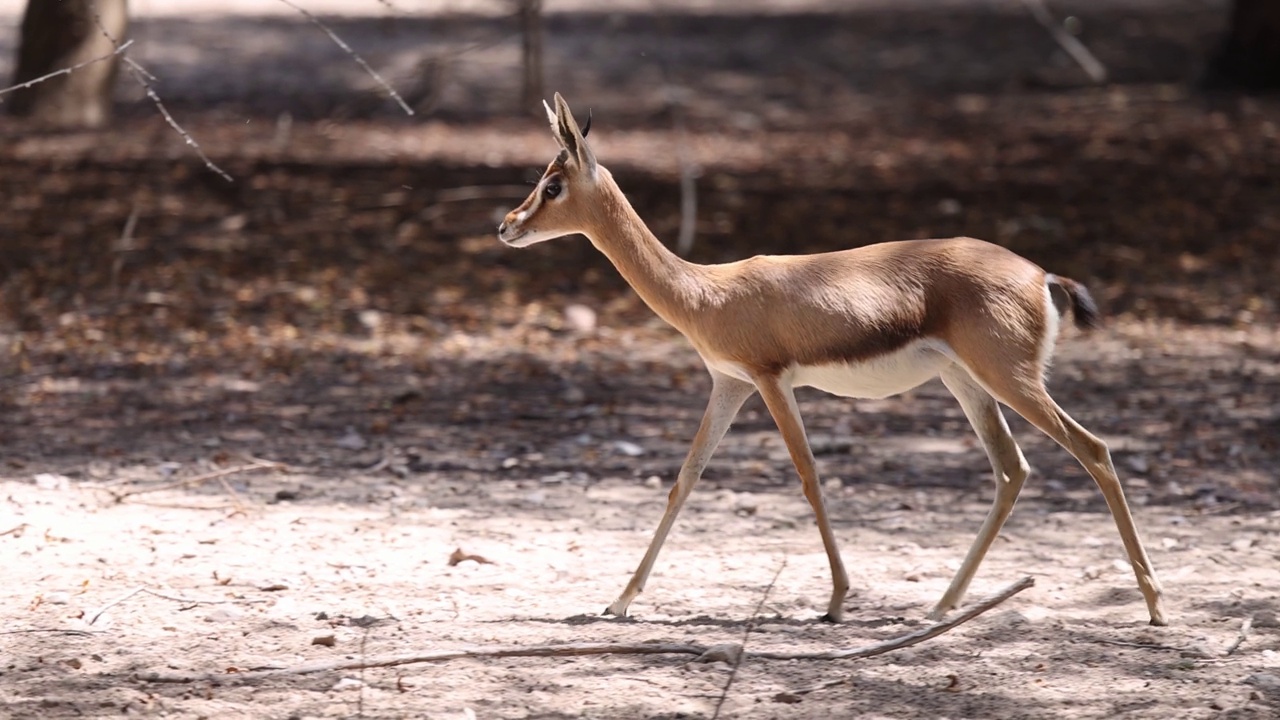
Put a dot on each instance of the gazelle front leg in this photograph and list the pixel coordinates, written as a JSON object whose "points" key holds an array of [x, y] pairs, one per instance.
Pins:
{"points": [[781, 401], [727, 396]]}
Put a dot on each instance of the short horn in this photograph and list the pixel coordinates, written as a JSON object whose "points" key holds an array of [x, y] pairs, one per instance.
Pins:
{"points": [[587, 127]]}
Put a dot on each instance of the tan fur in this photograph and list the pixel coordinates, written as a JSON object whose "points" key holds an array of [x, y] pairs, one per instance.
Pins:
{"points": [[765, 317], [830, 307]]}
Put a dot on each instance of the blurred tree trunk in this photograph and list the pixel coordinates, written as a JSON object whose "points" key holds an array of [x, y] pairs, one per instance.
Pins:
{"points": [[530, 12], [1249, 56], [57, 34]]}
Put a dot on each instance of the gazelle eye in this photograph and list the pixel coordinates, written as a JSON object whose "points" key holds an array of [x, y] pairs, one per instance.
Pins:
{"points": [[552, 190]]}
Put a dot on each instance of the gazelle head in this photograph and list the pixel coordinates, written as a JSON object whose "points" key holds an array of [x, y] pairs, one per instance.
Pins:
{"points": [[554, 209]]}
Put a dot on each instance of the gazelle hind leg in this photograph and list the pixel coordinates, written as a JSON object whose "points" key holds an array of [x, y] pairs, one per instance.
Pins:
{"points": [[1029, 398], [727, 396], [1010, 470]]}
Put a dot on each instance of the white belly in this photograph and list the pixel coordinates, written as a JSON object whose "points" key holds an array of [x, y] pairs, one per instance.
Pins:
{"points": [[880, 377]]}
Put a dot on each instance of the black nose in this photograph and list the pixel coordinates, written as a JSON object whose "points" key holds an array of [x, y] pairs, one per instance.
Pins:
{"points": [[502, 228]]}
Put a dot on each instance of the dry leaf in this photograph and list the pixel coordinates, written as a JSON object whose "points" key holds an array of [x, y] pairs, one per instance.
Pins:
{"points": [[458, 556]]}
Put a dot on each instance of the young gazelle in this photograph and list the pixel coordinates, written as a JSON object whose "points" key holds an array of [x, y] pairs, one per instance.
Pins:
{"points": [[868, 322]]}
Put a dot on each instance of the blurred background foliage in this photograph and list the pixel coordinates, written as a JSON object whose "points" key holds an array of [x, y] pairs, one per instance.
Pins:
{"points": [[803, 126]]}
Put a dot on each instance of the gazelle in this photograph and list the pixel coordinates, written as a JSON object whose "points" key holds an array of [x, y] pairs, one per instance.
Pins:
{"points": [[868, 322]]}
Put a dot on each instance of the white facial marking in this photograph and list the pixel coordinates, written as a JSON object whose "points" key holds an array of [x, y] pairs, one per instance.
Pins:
{"points": [[515, 234], [533, 238]]}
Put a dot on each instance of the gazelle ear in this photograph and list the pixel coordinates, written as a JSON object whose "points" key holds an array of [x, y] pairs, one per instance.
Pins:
{"points": [[571, 137], [558, 132], [551, 118]]}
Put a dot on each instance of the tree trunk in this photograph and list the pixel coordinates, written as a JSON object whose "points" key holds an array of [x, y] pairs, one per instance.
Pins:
{"points": [[531, 32], [1249, 56], [58, 34]]}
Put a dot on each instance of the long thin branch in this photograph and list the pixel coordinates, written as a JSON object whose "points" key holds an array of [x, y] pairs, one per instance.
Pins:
{"points": [[580, 649], [144, 79], [354, 56], [140, 74], [68, 70], [1076, 49], [909, 639]]}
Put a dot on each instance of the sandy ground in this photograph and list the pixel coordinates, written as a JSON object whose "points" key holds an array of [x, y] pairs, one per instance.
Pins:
{"points": [[352, 542]]}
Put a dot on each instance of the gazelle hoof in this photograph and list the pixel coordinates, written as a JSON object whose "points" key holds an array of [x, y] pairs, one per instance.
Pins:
{"points": [[829, 618]]}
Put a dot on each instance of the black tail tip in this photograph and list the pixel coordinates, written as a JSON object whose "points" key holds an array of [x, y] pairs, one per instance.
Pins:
{"points": [[1070, 295]]}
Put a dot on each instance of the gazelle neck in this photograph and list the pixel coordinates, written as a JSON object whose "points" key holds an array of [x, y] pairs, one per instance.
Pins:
{"points": [[672, 287]]}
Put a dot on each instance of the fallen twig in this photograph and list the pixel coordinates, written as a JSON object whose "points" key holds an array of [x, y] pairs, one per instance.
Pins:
{"points": [[580, 649], [123, 245], [94, 617], [220, 507], [142, 589], [821, 686], [1076, 49], [571, 650], [1245, 627], [235, 496], [1140, 646], [59, 631], [15, 530], [746, 634], [198, 601], [909, 639], [68, 70], [197, 479]]}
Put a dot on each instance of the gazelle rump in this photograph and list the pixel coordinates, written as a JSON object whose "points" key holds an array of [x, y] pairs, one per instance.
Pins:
{"points": [[867, 322]]}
